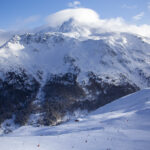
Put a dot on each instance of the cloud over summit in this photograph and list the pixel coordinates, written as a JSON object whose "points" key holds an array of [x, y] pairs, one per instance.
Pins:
{"points": [[80, 15], [89, 18]]}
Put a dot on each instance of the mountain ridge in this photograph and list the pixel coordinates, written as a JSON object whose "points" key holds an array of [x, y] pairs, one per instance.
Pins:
{"points": [[63, 70]]}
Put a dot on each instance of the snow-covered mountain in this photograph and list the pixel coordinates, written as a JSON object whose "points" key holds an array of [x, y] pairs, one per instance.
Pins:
{"points": [[121, 125], [45, 75]]}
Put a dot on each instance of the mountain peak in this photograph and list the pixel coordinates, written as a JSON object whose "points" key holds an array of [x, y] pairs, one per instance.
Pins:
{"points": [[68, 26]]}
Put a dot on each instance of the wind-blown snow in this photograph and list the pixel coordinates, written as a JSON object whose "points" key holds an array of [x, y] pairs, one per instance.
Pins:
{"points": [[90, 19], [4, 36], [109, 53], [121, 125]]}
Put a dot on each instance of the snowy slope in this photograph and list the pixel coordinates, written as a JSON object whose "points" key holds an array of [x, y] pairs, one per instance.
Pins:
{"points": [[109, 53], [120, 125], [71, 66]]}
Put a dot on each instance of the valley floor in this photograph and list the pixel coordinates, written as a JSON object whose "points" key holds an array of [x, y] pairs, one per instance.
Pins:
{"points": [[121, 125]]}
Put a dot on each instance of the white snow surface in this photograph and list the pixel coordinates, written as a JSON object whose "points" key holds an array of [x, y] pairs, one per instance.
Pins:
{"points": [[92, 51], [121, 125]]}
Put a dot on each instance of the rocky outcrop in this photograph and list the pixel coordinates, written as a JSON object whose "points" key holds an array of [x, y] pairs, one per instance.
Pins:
{"points": [[17, 92], [61, 94]]}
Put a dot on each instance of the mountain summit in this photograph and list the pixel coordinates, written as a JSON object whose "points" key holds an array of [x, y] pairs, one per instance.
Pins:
{"points": [[48, 74]]}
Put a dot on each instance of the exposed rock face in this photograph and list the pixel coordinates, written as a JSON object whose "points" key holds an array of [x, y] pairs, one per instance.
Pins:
{"points": [[17, 92], [62, 94]]}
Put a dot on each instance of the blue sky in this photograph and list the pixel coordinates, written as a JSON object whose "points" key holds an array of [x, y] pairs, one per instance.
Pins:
{"points": [[32, 13]]}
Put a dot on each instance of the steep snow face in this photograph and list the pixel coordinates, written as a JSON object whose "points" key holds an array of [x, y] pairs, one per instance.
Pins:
{"points": [[123, 124], [107, 53]]}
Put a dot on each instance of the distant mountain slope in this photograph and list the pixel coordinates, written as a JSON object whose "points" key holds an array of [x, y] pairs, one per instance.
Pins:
{"points": [[71, 67], [121, 125]]}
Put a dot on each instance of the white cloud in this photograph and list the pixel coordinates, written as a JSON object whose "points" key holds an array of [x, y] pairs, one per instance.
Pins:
{"points": [[4, 36], [19, 27], [129, 6], [23, 23], [81, 15], [90, 19], [31, 19], [74, 4], [148, 5], [138, 16]]}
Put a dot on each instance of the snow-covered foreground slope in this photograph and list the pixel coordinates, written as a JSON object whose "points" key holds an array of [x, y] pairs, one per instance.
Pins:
{"points": [[121, 125]]}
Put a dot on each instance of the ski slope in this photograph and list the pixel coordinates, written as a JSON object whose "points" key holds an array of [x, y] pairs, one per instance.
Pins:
{"points": [[121, 125]]}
